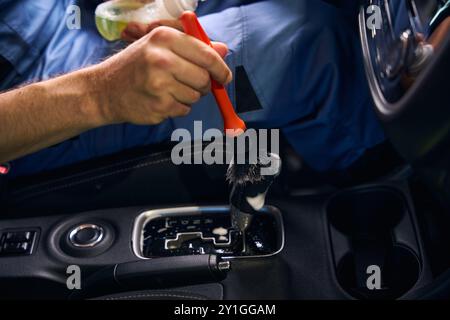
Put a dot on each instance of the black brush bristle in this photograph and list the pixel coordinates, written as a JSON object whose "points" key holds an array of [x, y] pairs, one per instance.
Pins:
{"points": [[242, 174], [248, 172]]}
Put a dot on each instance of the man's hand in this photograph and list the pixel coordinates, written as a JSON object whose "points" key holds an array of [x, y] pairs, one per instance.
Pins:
{"points": [[159, 76], [135, 30]]}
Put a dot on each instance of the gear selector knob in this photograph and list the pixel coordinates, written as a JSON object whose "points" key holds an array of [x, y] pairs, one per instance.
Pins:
{"points": [[248, 196]]}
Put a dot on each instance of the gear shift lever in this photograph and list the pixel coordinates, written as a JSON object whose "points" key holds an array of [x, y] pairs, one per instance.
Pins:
{"points": [[249, 190]]}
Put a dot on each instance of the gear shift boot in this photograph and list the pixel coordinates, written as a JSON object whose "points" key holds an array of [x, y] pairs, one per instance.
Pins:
{"points": [[206, 230]]}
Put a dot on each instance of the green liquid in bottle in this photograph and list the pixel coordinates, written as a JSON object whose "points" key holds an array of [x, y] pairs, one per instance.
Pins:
{"points": [[113, 17]]}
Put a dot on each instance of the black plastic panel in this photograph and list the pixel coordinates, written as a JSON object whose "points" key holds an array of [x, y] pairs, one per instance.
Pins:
{"points": [[373, 227]]}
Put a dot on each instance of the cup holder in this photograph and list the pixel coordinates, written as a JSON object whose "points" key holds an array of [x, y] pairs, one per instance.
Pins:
{"points": [[363, 227]]}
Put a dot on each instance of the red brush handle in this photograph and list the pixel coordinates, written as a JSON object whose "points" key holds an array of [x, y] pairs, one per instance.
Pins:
{"points": [[231, 120]]}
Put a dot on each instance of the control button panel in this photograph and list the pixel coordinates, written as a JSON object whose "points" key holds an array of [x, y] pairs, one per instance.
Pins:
{"points": [[17, 242]]}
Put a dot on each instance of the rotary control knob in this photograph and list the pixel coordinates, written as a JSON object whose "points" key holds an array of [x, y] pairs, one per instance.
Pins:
{"points": [[86, 235]]}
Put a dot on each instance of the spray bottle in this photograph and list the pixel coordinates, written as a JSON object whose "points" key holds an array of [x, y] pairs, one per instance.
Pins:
{"points": [[112, 17]]}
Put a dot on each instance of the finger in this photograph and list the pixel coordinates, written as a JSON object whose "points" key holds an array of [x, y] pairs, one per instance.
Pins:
{"points": [[179, 110], [176, 24], [202, 55], [127, 37], [184, 94], [189, 74], [221, 48], [136, 30], [171, 108]]}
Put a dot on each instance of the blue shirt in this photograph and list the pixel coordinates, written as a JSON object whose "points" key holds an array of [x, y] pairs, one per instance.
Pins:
{"points": [[302, 59]]}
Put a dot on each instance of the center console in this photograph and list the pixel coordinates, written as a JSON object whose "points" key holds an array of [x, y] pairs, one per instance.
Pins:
{"points": [[311, 246]]}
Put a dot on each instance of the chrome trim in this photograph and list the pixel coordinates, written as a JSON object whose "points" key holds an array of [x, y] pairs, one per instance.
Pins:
{"points": [[91, 244], [145, 217], [377, 94]]}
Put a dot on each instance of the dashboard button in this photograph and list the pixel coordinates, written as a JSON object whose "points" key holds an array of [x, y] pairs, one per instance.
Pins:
{"points": [[15, 247], [86, 235], [17, 242], [19, 236]]}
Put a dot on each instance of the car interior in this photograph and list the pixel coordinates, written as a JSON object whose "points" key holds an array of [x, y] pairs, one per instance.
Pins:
{"points": [[140, 227]]}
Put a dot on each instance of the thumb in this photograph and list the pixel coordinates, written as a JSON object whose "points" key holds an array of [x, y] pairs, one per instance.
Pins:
{"points": [[221, 48]]}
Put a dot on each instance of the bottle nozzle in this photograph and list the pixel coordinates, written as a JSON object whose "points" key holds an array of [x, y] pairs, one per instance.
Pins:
{"points": [[175, 8]]}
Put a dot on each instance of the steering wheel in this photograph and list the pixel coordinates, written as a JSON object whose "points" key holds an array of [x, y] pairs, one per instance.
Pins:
{"points": [[408, 80]]}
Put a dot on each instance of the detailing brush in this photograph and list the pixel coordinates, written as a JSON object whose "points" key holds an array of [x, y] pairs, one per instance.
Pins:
{"points": [[249, 186], [233, 125]]}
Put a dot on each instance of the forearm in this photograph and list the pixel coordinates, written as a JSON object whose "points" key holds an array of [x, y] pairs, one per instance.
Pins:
{"points": [[156, 78], [43, 114]]}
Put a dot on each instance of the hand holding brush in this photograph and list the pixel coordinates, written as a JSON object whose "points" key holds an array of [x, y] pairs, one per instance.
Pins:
{"points": [[249, 186]]}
